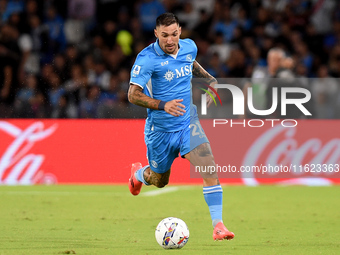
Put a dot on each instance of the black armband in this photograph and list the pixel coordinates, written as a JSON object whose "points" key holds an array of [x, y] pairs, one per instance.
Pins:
{"points": [[161, 105]]}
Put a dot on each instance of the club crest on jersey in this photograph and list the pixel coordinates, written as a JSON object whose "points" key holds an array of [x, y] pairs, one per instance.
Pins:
{"points": [[189, 57], [169, 75]]}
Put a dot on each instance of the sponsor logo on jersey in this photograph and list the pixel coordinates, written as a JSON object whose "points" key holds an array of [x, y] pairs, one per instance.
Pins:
{"points": [[169, 75], [184, 71], [179, 72]]}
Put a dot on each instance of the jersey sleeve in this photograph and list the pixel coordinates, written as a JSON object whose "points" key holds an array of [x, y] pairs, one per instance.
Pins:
{"points": [[193, 48], [141, 71]]}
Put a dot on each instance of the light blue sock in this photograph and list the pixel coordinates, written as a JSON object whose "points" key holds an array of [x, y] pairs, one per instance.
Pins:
{"points": [[213, 197], [139, 174]]}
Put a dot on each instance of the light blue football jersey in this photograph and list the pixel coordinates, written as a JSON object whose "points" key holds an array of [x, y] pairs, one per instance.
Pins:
{"points": [[166, 78]]}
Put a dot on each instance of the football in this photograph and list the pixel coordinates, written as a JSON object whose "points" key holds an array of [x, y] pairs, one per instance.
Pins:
{"points": [[172, 233]]}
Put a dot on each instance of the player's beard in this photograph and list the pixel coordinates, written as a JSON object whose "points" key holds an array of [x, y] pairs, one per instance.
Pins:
{"points": [[171, 50]]}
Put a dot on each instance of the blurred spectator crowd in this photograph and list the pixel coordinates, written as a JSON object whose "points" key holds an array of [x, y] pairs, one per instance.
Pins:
{"points": [[72, 58]]}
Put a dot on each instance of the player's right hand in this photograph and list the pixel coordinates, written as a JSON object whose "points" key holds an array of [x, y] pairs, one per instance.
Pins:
{"points": [[174, 107]]}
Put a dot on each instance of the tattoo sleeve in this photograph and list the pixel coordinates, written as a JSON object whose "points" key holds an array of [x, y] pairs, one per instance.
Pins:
{"points": [[200, 72], [202, 150], [137, 97]]}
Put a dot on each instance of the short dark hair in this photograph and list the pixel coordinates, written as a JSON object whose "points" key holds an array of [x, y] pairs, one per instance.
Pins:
{"points": [[166, 19]]}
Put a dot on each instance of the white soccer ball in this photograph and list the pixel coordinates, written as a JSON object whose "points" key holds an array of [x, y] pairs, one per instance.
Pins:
{"points": [[172, 233]]}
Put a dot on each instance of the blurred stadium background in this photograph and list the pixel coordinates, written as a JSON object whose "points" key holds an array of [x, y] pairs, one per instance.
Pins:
{"points": [[72, 58]]}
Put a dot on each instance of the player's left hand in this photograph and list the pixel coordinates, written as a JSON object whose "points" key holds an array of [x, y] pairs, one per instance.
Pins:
{"points": [[175, 108]]}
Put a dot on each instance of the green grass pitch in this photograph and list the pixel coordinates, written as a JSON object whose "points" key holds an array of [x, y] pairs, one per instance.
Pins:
{"points": [[108, 220]]}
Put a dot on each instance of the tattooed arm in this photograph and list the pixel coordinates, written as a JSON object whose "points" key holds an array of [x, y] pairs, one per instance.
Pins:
{"points": [[137, 97], [200, 72]]}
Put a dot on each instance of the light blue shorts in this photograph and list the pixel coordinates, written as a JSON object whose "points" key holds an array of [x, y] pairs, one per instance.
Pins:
{"points": [[164, 147]]}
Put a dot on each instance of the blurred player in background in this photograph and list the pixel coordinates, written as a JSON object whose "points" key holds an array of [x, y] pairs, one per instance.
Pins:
{"points": [[161, 81], [260, 78]]}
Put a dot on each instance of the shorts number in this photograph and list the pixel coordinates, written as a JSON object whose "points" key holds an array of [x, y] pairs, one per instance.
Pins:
{"points": [[196, 129]]}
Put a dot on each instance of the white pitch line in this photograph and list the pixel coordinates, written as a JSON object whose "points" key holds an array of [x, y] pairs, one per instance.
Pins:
{"points": [[159, 191], [154, 192], [63, 193]]}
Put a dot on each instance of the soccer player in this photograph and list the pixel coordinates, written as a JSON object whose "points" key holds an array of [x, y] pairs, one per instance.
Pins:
{"points": [[161, 82]]}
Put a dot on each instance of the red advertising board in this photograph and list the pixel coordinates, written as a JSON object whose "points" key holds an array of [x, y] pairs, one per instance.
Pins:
{"points": [[307, 152], [101, 151]]}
